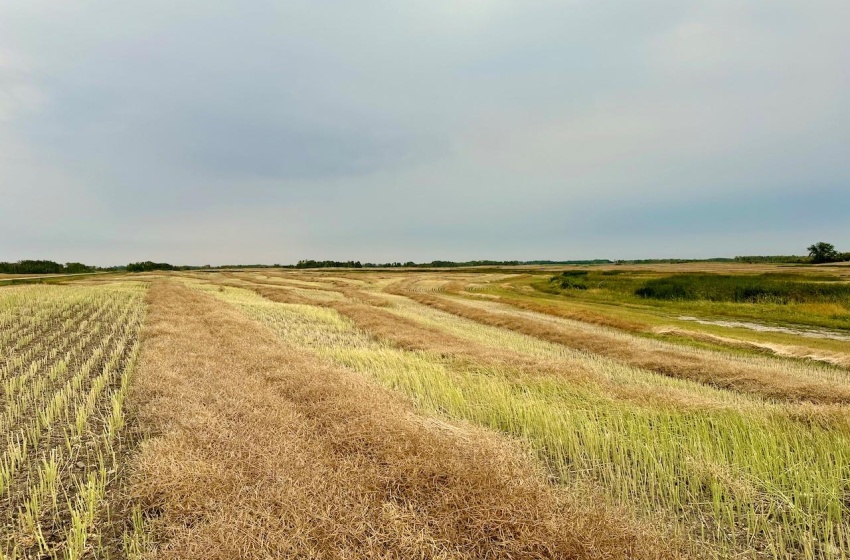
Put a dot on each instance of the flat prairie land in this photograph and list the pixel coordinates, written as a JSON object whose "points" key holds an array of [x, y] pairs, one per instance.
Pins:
{"points": [[11, 279], [663, 411]]}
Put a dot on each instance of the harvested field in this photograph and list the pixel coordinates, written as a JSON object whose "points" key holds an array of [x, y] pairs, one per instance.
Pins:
{"points": [[459, 280], [66, 357], [772, 379], [334, 467], [488, 371], [338, 414]]}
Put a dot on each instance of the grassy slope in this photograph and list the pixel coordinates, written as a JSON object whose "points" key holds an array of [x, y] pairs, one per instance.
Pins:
{"points": [[650, 316], [618, 290]]}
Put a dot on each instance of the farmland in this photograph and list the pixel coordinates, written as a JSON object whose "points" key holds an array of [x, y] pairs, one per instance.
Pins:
{"points": [[662, 411], [65, 358]]}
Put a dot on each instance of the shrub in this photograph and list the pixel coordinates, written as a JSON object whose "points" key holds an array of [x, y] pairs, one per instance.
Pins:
{"points": [[570, 280]]}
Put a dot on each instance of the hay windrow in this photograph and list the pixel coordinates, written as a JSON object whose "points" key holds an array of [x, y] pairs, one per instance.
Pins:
{"points": [[265, 451]]}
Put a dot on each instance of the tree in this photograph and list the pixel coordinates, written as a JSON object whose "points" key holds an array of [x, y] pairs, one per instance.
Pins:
{"points": [[148, 266], [77, 268], [823, 253]]}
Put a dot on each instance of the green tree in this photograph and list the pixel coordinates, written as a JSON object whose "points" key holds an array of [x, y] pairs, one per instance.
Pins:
{"points": [[148, 266], [823, 253], [77, 268]]}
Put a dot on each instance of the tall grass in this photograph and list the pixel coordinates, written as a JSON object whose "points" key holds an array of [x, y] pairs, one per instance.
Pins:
{"points": [[809, 298], [748, 478], [765, 288]]}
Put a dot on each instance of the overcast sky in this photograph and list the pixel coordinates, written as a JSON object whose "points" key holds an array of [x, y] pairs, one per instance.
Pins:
{"points": [[219, 132]]}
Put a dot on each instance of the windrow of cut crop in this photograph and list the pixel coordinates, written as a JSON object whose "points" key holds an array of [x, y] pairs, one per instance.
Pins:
{"points": [[748, 478], [414, 327], [263, 450]]}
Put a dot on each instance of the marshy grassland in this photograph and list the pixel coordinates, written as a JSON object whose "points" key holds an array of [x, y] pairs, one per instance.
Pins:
{"points": [[655, 411]]}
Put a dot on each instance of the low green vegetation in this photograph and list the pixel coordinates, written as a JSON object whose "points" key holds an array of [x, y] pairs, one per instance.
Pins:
{"points": [[66, 357], [764, 288], [802, 296], [570, 280], [772, 259]]}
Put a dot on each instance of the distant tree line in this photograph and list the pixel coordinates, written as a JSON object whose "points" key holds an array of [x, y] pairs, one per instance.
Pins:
{"points": [[772, 259], [328, 264], [148, 266], [44, 267], [819, 253], [672, 261], [434, 264], [823, 254]]}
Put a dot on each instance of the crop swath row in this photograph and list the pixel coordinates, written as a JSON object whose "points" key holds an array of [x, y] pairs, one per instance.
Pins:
{"points": [[65, 358], [749, 476]]}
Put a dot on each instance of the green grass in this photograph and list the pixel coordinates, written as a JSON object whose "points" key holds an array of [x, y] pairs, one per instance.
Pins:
{"points": [[787, 299], [648, 315], [764, 288], [570, 280]]}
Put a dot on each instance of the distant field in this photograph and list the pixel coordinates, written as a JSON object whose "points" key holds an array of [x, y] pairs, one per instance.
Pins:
{"points": [[16, 276], [655, 411], [13, 279]]}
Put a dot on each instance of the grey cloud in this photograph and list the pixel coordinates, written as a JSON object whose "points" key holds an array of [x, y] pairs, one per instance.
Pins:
{"points": [[446, 129]]}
